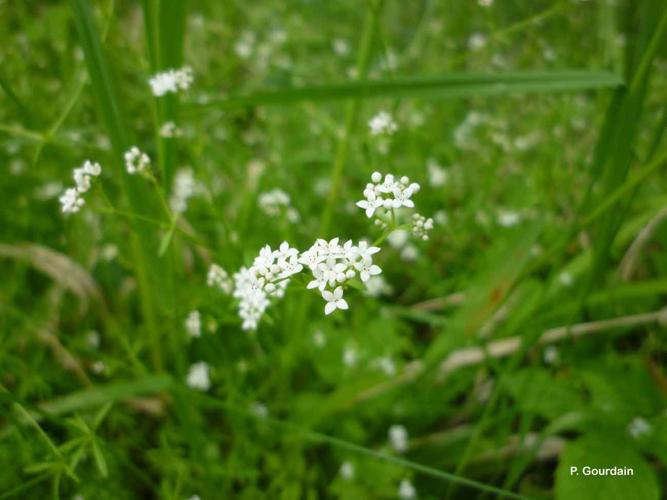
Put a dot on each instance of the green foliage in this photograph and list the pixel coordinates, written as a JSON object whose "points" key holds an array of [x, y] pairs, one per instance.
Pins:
{"points": [[525, 337]]}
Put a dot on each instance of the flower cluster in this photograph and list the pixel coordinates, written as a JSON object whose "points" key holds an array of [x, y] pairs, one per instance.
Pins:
{"points": [[275, 202], [136, 161], [267, 277], [170, 130], [421, 226], [171, 80], [185, 186], [72, 200], [398, 438], [217, 276], [193, 324], [382, 124], [387, 193], [332, 264], [198, 377]]}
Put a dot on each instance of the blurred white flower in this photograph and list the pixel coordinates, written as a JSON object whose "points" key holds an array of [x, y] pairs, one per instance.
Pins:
{"points": [[485, 3], [217, 276], [340, 46], [245, 45], [347, 471], [437, 175], [398, 438], [551, 355], [171, 81], [382, 124], [398, 239], [639, 427], [275, 202], [508, 218], [185, 186], [136, 161], [410, 253], [193, 324], [259, 409], [376, 286], [406, 490], [98, 367], [93, 339], [565, 278], [170, 130], [387, 365], [349, 356], [71, 201], [198, 376], [476, 41]]}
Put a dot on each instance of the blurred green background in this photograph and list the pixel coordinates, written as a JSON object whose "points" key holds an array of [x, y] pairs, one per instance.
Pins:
{"points": [[526, 336]]}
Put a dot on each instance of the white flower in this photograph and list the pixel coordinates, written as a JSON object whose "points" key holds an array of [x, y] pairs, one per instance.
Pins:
{"points": [[476, 41], [99, 367], [185, 186], [171, 81], [93, 339], [259, 409], [340, 46], [245, 45], [485, 3], [350, 356], [136, 161], [367, 269], [347, 471], [193, 324], [198, 377], [334, 300], [388, 194], [370, 204], [267, 278], [421, 226], [386, 365], [71, 201], [409, 253], [508, 218], [550, 355], [363, 251], [398, 239], [398, 438], [565, 278], [406, 490], [217, 276], [376, 286], [382, 124], [276, 202], [169, 130], [437, 176], [639, 427]]}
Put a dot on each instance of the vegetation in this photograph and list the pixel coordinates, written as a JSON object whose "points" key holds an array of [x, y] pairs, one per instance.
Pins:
{"points": [[509, 328]]}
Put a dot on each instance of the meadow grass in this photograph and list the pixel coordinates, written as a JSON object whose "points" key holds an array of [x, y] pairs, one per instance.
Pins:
{"points": [[523, 336]]}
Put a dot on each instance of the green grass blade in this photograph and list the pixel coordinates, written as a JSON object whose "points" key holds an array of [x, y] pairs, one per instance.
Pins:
{"points": [[98, 396], [450, 86]]}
